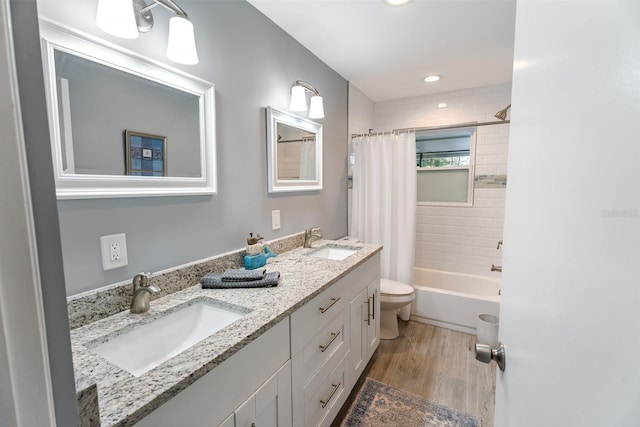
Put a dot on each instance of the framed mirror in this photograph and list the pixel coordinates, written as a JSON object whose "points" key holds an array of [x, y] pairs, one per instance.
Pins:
{"points": [[294, 153], [122, 125]]}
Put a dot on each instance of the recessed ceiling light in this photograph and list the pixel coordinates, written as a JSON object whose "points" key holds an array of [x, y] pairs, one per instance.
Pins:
{"points": [[396, 2], [432, 78], [442, 105]]}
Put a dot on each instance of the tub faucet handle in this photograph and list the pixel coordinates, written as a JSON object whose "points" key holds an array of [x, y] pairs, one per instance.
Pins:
{"points": [[499, 244]]}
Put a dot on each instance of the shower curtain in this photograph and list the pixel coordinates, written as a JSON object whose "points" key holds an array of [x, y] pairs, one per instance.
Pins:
{"points": [[384, 199], [307, 159]]}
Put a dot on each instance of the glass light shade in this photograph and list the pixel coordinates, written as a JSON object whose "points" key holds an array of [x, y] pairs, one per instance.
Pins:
{"points": [[116, 17], [298, 99], [316, 110], [181, 47]]}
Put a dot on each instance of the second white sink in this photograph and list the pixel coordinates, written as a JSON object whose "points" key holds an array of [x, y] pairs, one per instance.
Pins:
{"points": [[334, 252], [148, 345]]}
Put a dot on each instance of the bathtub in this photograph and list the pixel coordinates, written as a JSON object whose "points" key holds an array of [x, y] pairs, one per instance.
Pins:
{"points": [[453, 300]]}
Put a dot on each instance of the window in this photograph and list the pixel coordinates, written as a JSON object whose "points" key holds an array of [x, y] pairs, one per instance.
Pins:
{"points": [[444, 161]]}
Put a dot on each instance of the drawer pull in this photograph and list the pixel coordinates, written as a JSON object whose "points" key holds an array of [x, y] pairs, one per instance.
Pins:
{"points": [[334, 335], [333, 301], [328, 399], [368, 319], [373, 310]]}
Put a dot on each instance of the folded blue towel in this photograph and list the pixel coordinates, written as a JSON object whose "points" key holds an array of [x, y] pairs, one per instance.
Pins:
{"points": [[214, 281], [242, 275]]}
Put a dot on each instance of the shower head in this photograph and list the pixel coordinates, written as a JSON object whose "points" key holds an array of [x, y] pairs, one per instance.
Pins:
{"points": [[502, 114]]}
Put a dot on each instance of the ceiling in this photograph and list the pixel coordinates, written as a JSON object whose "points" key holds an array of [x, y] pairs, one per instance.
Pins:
{"points": [[387, 51]]}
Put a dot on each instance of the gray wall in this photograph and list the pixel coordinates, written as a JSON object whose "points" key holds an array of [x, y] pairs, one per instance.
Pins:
{"points": [[253, 64], [34, 121]]}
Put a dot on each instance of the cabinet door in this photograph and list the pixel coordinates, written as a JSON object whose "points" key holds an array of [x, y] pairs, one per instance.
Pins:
{"points": [[270, 405], [373, 326], [359, 311]]}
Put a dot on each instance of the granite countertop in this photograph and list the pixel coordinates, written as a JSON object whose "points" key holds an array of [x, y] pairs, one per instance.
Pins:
{"points": [[125, 399]]}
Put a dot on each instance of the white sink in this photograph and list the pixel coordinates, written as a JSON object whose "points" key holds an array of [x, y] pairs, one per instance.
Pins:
{"points": [[334, 252], [148, 345]]}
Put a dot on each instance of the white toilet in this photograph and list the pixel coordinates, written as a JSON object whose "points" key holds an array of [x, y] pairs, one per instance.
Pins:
{"points": [[393, 296]]}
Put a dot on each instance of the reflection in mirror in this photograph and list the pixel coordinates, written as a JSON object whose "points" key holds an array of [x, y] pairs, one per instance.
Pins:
{"points": [[294, 152], [122, 125], [98, 103]]}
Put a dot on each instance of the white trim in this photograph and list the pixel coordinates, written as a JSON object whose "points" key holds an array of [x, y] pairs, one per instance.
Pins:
{"points": [[21, 299]]}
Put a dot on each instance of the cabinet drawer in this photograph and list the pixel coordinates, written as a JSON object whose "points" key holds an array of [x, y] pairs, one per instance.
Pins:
{"points": [[331, 342], [323, 400], [314, 316]]}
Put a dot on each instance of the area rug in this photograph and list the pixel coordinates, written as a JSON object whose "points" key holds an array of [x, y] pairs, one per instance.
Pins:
{"points": [[378, 404]]}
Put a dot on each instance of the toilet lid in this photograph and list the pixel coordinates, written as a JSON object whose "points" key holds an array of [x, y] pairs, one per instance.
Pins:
{"points": [[391, 287]]}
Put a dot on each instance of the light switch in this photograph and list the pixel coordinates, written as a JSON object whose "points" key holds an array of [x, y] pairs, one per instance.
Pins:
{"points": [[275, 220]]}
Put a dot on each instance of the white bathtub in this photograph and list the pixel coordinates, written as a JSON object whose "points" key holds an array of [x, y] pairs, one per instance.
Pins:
{"points": [[453, 300]]}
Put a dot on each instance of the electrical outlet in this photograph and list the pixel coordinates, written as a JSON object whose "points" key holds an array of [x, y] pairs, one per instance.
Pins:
{"points": [[114, 251], [275, 220]]}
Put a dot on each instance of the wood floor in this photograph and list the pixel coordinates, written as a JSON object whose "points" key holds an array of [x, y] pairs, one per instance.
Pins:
{"points": [[438, 364]]}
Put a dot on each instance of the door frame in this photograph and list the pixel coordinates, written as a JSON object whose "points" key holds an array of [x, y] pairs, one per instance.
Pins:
{"points": [[24, 360]]}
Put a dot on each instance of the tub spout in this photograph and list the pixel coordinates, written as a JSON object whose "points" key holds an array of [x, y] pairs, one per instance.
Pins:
{"points": [[496, 268]]}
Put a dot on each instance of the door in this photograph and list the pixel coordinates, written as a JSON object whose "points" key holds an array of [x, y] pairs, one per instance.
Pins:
{"points": [[359, 341], [373, 312], [269, 406], [570, 312]]}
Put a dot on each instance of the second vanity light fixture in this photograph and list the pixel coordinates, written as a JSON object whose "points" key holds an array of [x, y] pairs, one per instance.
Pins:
{"points": [[299, 99], [128, 18]]}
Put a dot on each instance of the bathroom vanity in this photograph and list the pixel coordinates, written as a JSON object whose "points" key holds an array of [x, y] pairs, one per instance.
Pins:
{"points": [[292, 358]]}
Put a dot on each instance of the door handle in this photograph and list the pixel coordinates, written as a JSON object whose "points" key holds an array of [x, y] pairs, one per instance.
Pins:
{"points": [[486, 354]]}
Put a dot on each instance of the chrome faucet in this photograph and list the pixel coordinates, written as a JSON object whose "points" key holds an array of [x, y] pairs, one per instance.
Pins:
{"points": [[142, 291], [311, 234], [496, 268]]}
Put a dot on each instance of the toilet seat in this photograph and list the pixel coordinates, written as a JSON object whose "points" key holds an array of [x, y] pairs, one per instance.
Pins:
{"points": [[393, 288]]}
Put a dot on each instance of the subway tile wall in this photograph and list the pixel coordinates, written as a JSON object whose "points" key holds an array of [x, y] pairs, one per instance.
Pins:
{"points": [[458, 239]]}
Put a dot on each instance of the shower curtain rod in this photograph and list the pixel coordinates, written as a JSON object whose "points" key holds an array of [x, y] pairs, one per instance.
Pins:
{"points": [[442, 127], [284, 141]]}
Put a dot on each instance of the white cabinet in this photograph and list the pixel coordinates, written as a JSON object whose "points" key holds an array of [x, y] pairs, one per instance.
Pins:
{"points": [[332, 338], [247, 374], [270, 405], [372, 327], [320, 339], [364, 315]]}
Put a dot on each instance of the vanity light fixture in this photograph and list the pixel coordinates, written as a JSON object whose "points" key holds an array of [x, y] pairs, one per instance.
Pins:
{"points": [[128, 18], [299, 99], [432, 78]]}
